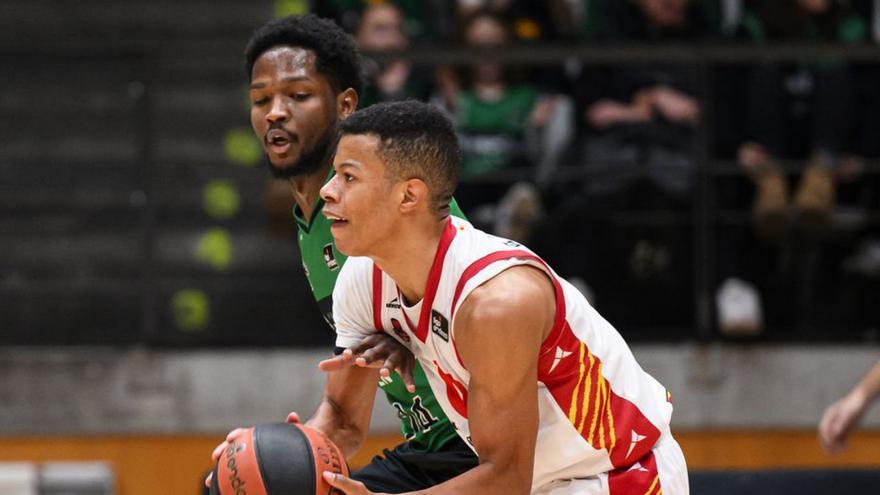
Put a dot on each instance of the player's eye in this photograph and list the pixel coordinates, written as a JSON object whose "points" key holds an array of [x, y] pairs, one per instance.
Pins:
{"points": [[301, 96], [260, 101], [347, 177]]}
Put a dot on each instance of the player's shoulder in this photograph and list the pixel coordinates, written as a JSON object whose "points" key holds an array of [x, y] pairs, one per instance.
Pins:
{"points": [[356, 271], [473, 240], [515, 289]]}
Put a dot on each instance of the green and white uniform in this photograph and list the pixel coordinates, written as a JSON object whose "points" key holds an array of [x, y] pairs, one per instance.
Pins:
{"points": [[423, 422]]}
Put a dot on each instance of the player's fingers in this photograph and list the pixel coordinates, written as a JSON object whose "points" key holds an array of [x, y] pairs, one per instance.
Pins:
{"points": [[234, 433], [218, 450], [372, 357], [406, 373], [369, 342], [208, 479], [347, 485], [293, 418], [335, 363]]}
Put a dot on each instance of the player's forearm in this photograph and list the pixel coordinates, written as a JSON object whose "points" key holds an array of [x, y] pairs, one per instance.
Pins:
{"points": [[869, 386], [330, 420]]}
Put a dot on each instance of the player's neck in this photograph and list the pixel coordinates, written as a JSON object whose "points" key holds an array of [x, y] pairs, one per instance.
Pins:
{"points": [[306, 189], [409, 257]]}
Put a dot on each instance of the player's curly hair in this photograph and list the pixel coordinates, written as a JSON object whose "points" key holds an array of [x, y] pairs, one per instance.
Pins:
{"points": [[336, 55], [416, 140]]}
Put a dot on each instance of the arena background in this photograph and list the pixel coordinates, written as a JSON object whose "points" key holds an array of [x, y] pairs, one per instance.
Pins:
{"points": [[152, 298]]}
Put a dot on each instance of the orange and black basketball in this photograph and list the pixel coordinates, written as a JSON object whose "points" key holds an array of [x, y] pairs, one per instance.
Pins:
{"points": [[277, 459]]}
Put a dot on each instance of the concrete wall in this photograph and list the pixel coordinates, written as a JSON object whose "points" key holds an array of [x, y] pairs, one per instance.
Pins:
{"points": [[101, 390]]}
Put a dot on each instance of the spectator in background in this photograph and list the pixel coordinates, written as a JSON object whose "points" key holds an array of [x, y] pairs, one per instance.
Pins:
{"points": [[381, 29], [643, 117], [502, 122], [529, 20], [423, 20], [639, 127], [800, 111]]}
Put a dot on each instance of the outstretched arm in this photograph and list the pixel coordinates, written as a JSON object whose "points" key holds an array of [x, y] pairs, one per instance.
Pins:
{"points": [[842, 417]]}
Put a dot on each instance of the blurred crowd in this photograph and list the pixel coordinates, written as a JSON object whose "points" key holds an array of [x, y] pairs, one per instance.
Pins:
{"points": [[599, 167]]}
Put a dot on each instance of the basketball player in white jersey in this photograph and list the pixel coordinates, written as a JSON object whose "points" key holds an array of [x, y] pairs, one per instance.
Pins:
{"points": [[543, 389]]}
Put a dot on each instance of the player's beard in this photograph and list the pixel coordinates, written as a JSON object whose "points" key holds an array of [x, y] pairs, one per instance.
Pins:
{"points": [[310, 160]]}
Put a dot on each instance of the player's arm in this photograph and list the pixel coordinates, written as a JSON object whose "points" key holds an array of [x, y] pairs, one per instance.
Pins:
{"points": [[498, 334], [842, 417], [346, 406], [347, 402]]}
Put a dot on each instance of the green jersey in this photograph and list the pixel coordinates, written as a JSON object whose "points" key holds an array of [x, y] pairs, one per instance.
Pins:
{"points": [[423, 422]]}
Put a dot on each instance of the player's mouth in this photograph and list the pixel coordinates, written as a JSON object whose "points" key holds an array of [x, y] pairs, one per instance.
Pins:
{"points": [[335, 220], [279, 141]]}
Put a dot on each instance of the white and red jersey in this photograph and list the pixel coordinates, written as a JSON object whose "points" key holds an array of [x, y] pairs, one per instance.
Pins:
{"points": [[599, 412]]}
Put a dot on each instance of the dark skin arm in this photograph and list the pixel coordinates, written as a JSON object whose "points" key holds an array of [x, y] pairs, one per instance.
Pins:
{"points": [[498, 334]]}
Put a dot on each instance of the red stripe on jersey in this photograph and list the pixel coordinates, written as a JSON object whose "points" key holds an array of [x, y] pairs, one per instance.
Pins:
{"points": [[377, 298], [456, 392], [573, 376], [434, 280], [641, 478], [490, 258]]}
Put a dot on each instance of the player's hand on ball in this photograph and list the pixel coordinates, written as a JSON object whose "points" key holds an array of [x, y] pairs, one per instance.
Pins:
{"points": [[218, 450], [346, 485], [376, 351]]}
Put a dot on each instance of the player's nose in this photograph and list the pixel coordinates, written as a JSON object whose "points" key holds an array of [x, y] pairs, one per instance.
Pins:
{"points": [[278, 112], [330, 193]]}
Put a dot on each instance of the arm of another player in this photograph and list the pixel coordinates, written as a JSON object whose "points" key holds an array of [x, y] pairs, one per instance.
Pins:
{"points": [[842, 417], [376, 351], [498, 334]]}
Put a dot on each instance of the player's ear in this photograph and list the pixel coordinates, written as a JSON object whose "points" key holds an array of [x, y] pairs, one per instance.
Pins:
{"points": [[415, 195], [346, 103]]}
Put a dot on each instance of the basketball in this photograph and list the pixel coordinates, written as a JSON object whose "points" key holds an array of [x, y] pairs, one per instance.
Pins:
{"points": [[277, 459]]}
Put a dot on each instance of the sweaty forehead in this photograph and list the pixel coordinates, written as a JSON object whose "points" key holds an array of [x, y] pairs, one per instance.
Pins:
{"points": [[286, 61]]}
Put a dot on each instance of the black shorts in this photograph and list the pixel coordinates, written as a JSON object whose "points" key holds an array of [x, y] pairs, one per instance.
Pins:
{"points": [[405, 469]]}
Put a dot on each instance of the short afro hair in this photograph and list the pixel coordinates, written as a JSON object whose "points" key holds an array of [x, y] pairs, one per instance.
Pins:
{"points": [[416, 140], [336, 55]]}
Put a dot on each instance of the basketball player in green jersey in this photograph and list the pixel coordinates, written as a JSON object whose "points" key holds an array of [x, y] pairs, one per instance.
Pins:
{"points": [[304, 76]]}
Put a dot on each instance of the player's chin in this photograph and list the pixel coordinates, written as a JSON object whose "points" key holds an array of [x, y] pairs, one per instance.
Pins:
{"points": [[283, 163], [342, 240]]}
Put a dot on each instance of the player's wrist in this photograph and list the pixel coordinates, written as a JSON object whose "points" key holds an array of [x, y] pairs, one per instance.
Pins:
{"points": [[860, 398]]}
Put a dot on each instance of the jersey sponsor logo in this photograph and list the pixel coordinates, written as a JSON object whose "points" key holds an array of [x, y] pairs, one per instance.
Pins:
{"points": [[385, 380], [419, 417], [512, 244], [398, 330], [440, 325], [393, 304], [329, 258], [560, 355]]}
